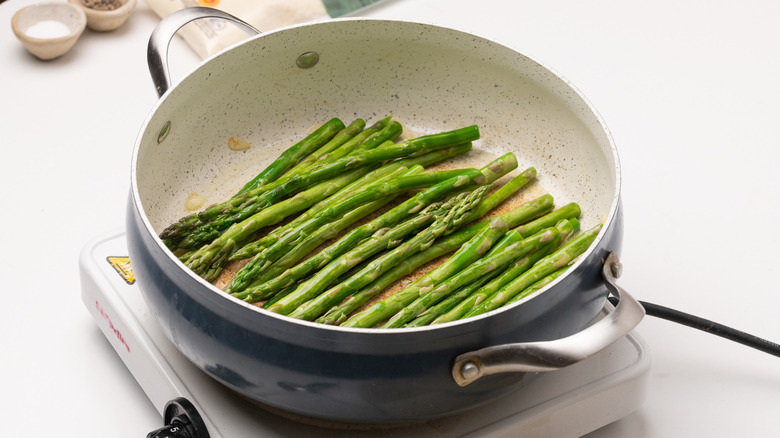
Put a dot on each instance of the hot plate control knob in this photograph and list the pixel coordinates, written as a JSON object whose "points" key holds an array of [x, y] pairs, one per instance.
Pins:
{"points": [[182, 421]]}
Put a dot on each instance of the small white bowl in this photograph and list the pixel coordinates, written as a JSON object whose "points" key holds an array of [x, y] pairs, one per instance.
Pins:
{"points": [[106, 20], [49, 30]]}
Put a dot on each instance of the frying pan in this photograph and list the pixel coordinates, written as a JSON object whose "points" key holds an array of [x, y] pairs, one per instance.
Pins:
{"points": [[271, 87]]}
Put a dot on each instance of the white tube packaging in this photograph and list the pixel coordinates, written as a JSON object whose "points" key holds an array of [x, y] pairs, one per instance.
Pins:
{"points": [[208, 36]]}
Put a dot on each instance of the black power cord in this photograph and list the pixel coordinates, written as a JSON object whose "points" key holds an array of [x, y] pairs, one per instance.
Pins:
{"points": [[708, 326]]}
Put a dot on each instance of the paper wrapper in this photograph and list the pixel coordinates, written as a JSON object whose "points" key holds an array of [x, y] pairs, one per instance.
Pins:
{"points": [[210, 35]]}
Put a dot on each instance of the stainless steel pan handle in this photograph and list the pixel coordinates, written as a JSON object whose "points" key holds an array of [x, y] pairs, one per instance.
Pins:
{"points": [[157, 50], [559, 353]]}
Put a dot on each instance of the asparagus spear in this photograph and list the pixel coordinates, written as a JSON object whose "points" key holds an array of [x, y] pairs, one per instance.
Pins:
{"points": [[338, 314], [379, 175], [282, 293], [382, 174], [389, 132], [450, 219], [338, 140], [176, 232], [539, 284], [470, 252], [465, 256], [480, 268], [257, 292], [570, 210], [541, 269], [286, 291], [311, 242], [342, 150], [423, 160], [508, 189], [300, 234], [378, 134], [297, 234], [442, 215], [466, 302], [431, 312], [203, 227], [442, 307], [294, 153], [208, 260], [461, 306]]}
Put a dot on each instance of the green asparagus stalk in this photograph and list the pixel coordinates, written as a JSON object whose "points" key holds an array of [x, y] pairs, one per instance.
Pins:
{"points": [[293, 256], [387, 171], [464, 304], [379, 134], [478, 269], [338, 314], [382, 173], [375, 176], [341, 151], [461, 306], [286, 291], [203, 227], [350, 145], [211, 229], [325, 218], [451, 218], [209, 259], [177, 231], [294, 153], [427, 315], [470, 252], [442, 216], [338, 140], [378, 176], [311, 242], [447, 304], [282, 293], [260, 290], [502, 244], [539, 284], [568, 211], [508, 189], [541, 269], [257, 292], [389, 132]]}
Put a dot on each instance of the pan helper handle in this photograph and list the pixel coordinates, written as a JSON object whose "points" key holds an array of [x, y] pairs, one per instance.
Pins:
{"points": [[157, 50], [559, 353]]}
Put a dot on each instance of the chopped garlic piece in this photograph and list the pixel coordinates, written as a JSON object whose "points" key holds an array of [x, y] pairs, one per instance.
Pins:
{"points": [[194, 202], [237, 144]]}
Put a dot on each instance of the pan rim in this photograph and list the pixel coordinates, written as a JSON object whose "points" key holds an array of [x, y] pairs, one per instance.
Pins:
{"points": [[217, 295]]}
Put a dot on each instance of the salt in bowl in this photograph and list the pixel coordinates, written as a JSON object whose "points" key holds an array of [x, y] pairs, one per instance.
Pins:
{"points": [[49, 30]]}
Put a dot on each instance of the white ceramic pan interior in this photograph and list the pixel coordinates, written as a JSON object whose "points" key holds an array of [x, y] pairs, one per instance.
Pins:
{"points": [[430, 78]]}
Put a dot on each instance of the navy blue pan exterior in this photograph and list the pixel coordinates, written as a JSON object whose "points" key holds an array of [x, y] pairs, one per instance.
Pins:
{"points": [[355, 376], [366, 375]]}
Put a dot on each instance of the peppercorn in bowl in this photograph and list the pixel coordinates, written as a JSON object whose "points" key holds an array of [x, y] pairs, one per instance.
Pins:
{"points": [[106, 15]]}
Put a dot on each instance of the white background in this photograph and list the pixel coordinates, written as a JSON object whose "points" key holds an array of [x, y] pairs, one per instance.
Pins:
{"points": [[689, 90]]}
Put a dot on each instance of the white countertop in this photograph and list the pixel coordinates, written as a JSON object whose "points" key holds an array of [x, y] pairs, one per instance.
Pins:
{"points": [[690, 92]]}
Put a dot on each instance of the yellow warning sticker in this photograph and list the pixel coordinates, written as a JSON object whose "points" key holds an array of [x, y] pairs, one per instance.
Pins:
{"points": [[122, 266], [210, 3]]}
